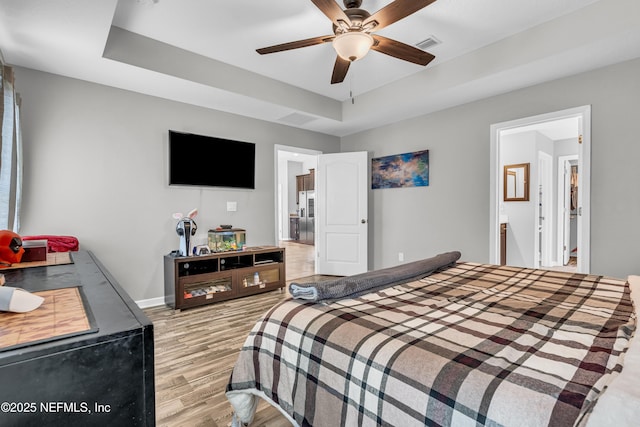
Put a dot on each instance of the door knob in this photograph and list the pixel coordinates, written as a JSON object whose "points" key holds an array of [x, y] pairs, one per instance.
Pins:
{"points": [[364, 221]]}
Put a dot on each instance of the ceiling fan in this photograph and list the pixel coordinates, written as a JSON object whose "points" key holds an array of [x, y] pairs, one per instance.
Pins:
{"points": [[352, 37]]}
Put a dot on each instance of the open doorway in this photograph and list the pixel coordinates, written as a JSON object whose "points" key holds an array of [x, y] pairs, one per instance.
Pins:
{"points": [[537, 236], [339, 210], [295, 210], [567, 241]]}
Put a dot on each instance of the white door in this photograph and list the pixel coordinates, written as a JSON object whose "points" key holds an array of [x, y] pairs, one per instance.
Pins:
{"points": [[341, 213]]}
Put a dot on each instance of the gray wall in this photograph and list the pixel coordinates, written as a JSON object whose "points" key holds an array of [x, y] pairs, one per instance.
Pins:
{"points": [[96, 158], [453, 212], [515, 149], [95, 168]]}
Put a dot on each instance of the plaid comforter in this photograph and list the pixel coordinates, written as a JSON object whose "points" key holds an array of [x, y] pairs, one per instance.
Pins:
{"points": [[472, 345]]}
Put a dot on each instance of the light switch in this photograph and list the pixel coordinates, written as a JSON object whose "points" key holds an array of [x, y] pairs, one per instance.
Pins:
{"points": [[232, 206]]}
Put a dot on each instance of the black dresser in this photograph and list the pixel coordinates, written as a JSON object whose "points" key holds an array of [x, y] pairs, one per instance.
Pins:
{"points": [[103, 377]]}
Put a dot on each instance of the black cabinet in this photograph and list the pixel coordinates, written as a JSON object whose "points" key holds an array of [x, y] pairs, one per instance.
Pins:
{"points": [[105, 377], [294, 228], [503, 244]]}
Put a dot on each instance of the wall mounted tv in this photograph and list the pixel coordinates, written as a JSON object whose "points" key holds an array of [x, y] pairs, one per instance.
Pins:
{"points": [[210, 162]]}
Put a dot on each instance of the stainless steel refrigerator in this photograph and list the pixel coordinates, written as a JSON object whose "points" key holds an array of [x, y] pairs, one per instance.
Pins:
{"points": [[306, 201]]}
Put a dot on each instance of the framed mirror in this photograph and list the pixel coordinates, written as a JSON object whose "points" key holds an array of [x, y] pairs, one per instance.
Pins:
{"points": [[516, 183]]}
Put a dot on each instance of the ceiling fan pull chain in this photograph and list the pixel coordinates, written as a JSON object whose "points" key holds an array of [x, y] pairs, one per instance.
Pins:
{"points": [[353, 100]]}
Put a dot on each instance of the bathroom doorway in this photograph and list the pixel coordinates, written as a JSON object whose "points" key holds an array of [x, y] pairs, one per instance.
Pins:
{"points": [[537, 232]]}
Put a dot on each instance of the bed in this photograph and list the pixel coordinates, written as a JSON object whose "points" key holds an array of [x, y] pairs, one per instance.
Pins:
{"points": [[466, 344]]}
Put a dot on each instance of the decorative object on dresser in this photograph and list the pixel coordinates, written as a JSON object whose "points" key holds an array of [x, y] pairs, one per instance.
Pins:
{"points": [[17, 300], [56, 243], [34, 250], [197, 280], [11, 250]]}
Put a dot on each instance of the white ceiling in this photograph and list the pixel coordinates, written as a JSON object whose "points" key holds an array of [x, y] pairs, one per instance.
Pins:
{"points": [[202, 52]]}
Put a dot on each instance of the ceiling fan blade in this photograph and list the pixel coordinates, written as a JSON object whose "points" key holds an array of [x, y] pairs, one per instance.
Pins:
{"points": [[395, 11], [401, 51], [340, 69], [332, 10], [295, 45]]}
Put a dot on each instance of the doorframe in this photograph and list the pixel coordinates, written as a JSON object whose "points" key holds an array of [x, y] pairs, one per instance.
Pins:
{"points": [[562, 188], [543, 243], [278, 189], [584, 180]]}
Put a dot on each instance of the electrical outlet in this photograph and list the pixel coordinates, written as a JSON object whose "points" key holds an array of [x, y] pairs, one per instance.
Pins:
{"points": [[232, 206], [400, 256]]}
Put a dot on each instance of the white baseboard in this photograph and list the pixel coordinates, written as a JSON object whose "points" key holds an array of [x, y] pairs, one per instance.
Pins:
{"points": [[151, 302]]}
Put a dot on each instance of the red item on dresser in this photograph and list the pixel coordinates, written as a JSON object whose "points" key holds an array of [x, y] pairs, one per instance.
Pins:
{"points": [[11, 249], [57, 243]]}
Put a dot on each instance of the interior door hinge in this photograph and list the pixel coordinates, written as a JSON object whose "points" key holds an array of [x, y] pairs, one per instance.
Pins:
{"points": [[579, 139]]}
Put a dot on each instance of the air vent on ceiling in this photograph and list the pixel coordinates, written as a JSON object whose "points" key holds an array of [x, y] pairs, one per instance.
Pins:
{"points": [[428, 43], [297, 119]]}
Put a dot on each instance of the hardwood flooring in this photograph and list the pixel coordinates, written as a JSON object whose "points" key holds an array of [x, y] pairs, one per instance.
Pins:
{"points": [[195, 350], [571, 267], [300, 259]]}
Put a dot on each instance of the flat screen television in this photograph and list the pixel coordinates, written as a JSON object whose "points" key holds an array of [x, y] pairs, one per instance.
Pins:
{"points": [[210, 162]]}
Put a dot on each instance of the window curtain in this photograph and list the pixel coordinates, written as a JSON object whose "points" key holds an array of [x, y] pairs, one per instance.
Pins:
{"points": [[10, 153]]}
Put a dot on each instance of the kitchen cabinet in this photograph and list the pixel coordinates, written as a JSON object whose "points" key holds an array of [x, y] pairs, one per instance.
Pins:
{"points": [[306, 182]]}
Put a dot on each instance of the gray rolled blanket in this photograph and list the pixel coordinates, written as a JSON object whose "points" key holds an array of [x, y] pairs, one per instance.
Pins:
{"points": [[371, 281]]}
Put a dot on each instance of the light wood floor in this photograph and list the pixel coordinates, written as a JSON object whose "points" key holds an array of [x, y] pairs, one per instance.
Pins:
{"points": [[195, 350], [300, 259], [571, 267]]}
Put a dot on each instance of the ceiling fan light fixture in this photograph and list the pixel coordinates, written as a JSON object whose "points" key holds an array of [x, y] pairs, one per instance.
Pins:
{"points": [[352, 45]]}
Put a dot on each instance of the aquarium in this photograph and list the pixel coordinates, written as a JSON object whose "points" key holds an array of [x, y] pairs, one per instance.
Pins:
{"points": [[224, 240]]}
